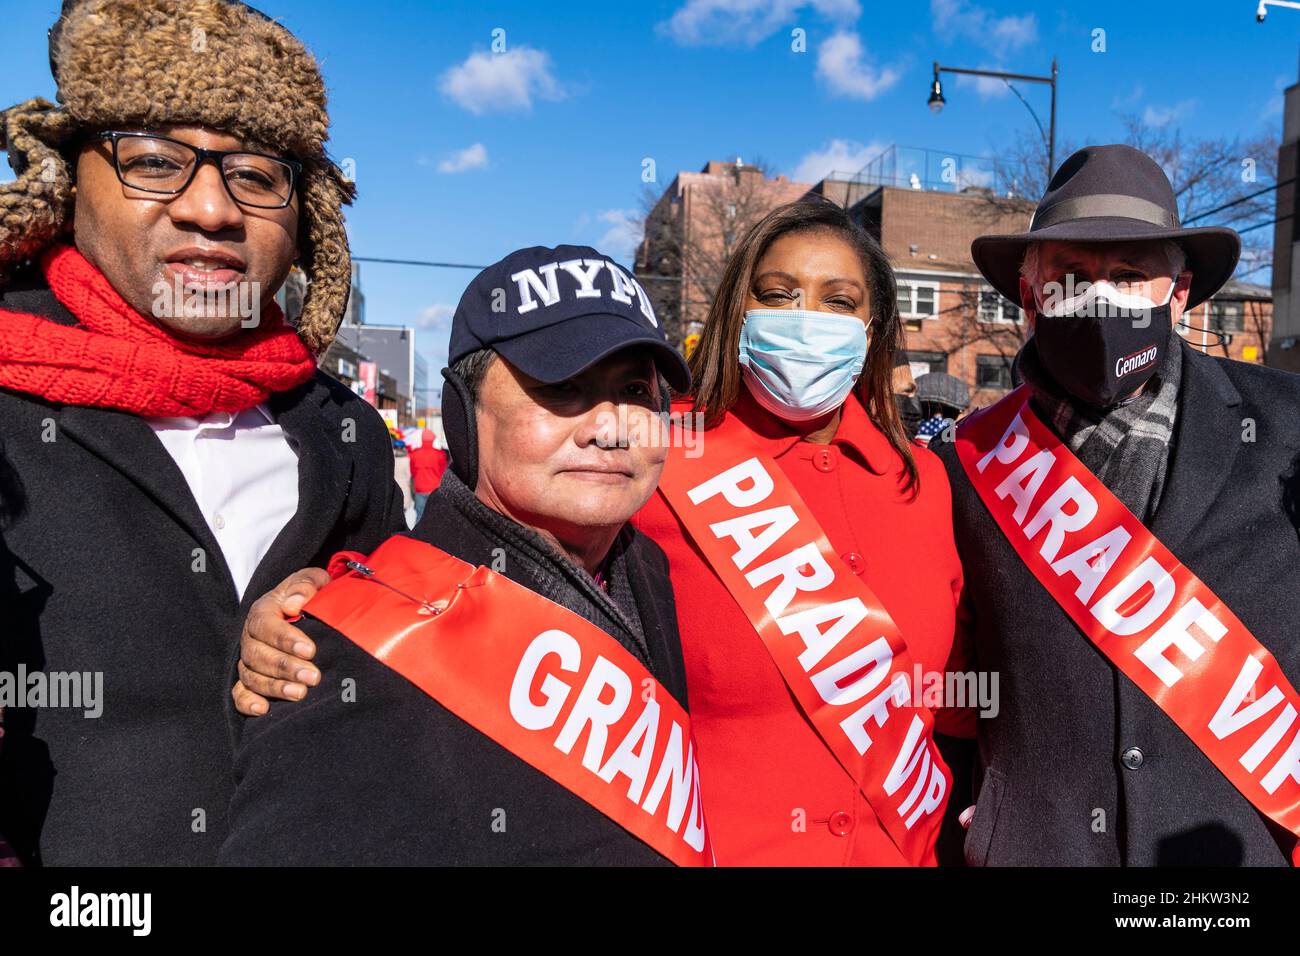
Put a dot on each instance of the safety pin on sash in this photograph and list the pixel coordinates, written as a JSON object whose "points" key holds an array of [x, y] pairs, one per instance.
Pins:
{"points": [[426, 607]]}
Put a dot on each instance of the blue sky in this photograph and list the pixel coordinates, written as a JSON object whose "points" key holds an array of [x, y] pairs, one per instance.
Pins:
{"points": [[462, 154]]}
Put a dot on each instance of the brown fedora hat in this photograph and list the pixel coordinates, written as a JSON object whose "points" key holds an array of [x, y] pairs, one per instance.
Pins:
{"points": [[1111, 194]]}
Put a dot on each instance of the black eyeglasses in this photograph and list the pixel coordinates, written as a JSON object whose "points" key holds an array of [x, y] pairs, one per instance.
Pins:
{"points": [[166, 166]]}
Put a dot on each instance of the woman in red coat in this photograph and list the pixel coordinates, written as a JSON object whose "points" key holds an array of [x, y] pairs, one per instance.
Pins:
{"points": [[799, 387]]}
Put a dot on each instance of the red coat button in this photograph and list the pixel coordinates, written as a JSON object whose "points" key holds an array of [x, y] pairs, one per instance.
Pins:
{"points": [[824, 460], [840, 823], [855, 562]]}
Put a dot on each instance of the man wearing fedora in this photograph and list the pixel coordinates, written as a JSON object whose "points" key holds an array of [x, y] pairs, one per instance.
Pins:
{"points": [[168, 449], [1081, 766]]}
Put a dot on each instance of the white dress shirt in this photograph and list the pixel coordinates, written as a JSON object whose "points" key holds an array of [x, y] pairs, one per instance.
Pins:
{"points": [[243, 473]]}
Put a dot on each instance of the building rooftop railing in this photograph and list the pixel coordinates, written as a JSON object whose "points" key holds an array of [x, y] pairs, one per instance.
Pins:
{"points": [[918, 167]]}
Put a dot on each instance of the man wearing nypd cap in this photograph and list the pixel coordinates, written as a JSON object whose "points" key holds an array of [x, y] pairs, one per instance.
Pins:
{"points": [[551, 349]]}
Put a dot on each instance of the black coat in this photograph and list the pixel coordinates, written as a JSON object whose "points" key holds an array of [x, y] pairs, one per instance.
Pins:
{"points": [[394, 778], [1054, 790], [99, 559]]}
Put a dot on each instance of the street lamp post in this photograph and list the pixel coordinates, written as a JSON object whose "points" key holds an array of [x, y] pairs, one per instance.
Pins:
{"points": [[937, 101]]}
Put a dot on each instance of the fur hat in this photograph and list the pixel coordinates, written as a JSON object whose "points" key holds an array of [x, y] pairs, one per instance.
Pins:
{"points": [[149, 63]]}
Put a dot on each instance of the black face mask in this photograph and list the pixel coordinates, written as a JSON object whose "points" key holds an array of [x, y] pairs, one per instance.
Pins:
{"points": [[909, 410], [1103, 354]]}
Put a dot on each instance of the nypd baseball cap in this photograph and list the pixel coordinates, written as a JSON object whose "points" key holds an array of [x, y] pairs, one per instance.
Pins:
{"points": [[553, 313]]}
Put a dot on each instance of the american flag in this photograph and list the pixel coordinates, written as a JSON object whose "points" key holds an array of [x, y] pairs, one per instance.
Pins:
{"points": [[932, 426]]}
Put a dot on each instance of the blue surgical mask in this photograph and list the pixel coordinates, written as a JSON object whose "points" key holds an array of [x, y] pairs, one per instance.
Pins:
{"points": [[798, 364]]}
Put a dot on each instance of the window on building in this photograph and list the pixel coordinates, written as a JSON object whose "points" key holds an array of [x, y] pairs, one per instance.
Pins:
{"points": [[1226, 315], [995, 307], [918, 299], [937, 361], [925, 297], [992, 371]]}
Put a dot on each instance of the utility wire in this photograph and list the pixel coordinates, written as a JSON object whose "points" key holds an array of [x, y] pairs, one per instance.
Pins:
{"points": [[418, 262], [1263, 224], [1236, 202]]}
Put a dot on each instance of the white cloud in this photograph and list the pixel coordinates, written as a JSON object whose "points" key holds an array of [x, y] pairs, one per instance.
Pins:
{"points": [[463, 160], [747, 22], [1274, 104], [979, 25], [1128, 102], [1164, 115], [502, 81], [986, 87], [1015, 32], [839, 155], [435, 317], [981, 178], [842, 66], [623, 235]]}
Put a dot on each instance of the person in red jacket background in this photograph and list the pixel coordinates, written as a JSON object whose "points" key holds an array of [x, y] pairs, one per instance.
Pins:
{"points": [[427, 466]]}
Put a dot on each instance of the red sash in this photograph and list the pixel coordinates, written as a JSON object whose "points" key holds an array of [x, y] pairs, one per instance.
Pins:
{"points": [[550, 687], [836, 646], [1152, 617]]}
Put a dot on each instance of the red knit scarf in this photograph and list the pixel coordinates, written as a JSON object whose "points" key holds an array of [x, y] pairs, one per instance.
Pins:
{"points": [[117, 358]]}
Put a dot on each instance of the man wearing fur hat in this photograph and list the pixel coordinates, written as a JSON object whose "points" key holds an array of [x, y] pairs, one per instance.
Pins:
{"points": [[1127, 521], [168, 450]]}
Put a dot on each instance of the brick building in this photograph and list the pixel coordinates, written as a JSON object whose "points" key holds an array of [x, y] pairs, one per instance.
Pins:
{"points": [[955, 322], [691, 231]]}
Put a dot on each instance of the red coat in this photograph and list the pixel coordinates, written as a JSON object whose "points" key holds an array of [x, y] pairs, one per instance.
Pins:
{"points": [[763, 769], [427, 465]]}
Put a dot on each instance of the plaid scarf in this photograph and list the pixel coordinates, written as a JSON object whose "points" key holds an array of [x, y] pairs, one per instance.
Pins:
{"points": [[1126, 446]]}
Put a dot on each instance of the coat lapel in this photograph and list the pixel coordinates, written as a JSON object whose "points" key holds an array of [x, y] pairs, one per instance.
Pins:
{"points": [[1207, 440], [315, 428], [127, 443], [311, 424]]}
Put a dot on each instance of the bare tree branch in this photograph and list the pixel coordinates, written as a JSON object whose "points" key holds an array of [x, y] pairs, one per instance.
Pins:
{"points": [[681, 260]]}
